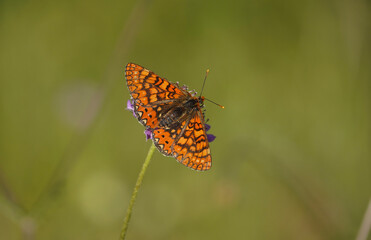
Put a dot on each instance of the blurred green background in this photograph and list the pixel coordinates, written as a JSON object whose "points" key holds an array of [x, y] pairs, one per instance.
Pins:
{"points": [[292, 158]]}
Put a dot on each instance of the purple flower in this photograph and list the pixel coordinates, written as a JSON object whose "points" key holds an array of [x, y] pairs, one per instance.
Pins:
{"points": [[148, 133], [193, 92], [210, 137], [184, 87], [130, 106]]}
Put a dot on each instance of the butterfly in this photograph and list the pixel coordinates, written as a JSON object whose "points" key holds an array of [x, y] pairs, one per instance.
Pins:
{"points": [[173, 116]]}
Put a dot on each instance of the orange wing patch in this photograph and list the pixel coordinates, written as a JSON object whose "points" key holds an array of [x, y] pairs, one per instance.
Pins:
{"points": [[189, 146], [146, 115], [148, 88], [192, 148], [163, 141], [150, 115]]}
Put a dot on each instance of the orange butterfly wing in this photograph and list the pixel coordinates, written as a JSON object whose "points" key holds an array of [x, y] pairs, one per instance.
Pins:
{"points": [[150, 93], [187, 144], [147, 88]]}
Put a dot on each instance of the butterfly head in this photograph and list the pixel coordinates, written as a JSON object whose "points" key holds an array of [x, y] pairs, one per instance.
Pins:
{"points": [[201, 100]]}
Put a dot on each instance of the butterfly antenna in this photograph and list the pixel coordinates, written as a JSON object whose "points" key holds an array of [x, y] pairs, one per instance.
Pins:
{"points": [[202, 89], [214, 103], [203, 85]]}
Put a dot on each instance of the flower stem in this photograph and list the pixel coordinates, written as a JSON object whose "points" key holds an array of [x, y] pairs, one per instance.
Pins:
{"points": [[134, 195]]}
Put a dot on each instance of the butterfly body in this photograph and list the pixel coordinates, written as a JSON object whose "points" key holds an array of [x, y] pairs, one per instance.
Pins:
{"points": [[173, 115], [177, 113]]}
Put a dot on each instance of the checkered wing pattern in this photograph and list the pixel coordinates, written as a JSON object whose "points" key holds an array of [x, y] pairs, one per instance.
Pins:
{"points": [[147, 88], [151, 94], [156, 100], [188, 144]]}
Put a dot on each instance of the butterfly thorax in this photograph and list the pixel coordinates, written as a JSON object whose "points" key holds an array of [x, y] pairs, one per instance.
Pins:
{"points": [[179, 111]]}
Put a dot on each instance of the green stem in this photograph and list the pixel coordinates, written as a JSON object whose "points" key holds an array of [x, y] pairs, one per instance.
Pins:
{"points": [[134, 195]]}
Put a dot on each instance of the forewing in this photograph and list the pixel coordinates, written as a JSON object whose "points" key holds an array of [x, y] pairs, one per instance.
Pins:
{"points": [[147, 88], [152, 94]]}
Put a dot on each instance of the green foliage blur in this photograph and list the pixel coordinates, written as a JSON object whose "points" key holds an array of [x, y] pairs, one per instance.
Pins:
{"points": [[292, 157]]}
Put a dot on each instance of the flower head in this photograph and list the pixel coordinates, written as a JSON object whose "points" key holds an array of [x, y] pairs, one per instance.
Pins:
{"points": [[130, 106], [210, 137], [193, 92], [148, 133]]}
